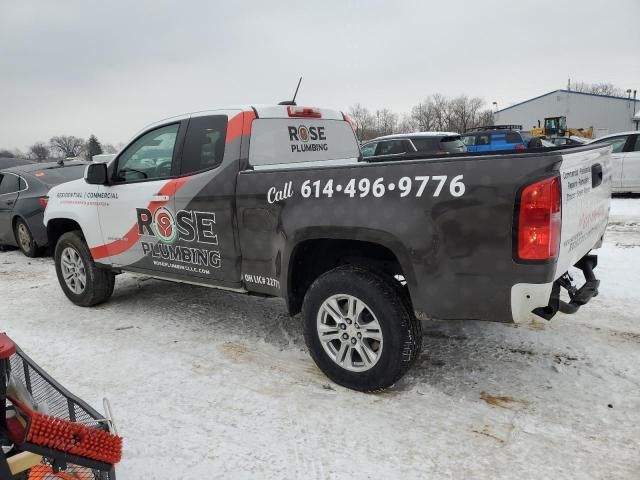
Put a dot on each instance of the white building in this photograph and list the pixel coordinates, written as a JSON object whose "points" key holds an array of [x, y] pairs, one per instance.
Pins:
{"points": [[606, 114]]}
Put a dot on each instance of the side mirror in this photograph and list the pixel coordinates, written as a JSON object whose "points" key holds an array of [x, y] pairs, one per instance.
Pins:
{"points": [[96, 174]]}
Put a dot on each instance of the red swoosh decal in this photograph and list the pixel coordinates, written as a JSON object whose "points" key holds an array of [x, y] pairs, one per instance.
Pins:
{"points": [[131, 237], [239, 125]]}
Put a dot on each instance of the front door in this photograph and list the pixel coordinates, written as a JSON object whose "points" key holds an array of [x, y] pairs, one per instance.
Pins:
{"points": [[136, 208]]}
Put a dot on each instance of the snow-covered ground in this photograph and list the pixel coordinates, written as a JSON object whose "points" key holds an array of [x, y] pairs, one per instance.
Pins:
{"points": [[209, 384]]}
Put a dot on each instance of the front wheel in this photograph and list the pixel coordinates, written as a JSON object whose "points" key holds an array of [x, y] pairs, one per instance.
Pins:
{"points": [[359, 330], [81, 280]]}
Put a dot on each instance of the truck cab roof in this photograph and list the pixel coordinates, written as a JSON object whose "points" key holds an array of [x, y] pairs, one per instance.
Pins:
{"points": [[261, 111]]}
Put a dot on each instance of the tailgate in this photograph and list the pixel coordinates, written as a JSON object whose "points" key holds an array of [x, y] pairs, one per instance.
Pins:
{"points": [[586, 194]]}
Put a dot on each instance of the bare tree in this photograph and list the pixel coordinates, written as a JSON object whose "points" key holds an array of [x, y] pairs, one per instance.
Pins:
{"points": [[436, 113], [464, 113], [6, 153], [67, 145], [386, 122], [408, 124], [424, 115], [39, 151], [108, 148], [601, 88], [485, 117], [363, 120], [441, 113]]}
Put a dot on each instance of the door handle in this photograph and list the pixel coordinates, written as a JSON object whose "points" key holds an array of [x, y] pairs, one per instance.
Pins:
{"points": [[160, 198], [596, 175]]}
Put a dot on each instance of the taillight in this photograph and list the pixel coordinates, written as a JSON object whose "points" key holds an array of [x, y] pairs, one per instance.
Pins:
{"points": [[305, 112], [43, 202], [350, 121], [539, 220], [519, 146]]}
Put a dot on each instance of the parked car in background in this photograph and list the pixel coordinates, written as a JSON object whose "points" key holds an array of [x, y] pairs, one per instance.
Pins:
{"points": [[568, 141], [496, 137], [625, 159], [23, 198], [424, 143], [6, 162]]}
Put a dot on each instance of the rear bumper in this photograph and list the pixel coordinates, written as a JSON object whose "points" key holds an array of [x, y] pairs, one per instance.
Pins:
{"points": [[529, 301]]}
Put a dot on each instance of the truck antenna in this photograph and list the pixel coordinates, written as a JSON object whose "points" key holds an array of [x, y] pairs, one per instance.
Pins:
{"points": [[292, 102]]}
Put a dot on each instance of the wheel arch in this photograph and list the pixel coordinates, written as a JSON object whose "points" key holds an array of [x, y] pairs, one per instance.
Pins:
{"points": [[315, 251], [56, 227]]}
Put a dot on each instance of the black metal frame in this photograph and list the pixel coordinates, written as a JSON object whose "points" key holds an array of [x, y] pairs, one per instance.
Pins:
{"points": [[58, 459]]}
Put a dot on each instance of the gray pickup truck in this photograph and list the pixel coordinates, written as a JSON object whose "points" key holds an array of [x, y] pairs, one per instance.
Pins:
{"points": [[277, 200]]}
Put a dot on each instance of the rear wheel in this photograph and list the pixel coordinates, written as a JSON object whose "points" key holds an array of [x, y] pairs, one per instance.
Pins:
{"points": [[359, 329], [24, 239], [81, 280]]}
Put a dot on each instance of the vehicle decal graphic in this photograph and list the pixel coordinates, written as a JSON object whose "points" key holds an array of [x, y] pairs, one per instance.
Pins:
{"points": [[299, 137], [239, 125], [132, 236], [191, 227], [417, 186]]}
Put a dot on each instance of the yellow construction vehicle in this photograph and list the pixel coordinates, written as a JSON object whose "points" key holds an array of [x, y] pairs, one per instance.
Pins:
{"points": [[557, 127]]}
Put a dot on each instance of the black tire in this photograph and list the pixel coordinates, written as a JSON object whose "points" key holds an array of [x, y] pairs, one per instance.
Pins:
{"points": [[99, 281], [24, 239], [401, 331]]}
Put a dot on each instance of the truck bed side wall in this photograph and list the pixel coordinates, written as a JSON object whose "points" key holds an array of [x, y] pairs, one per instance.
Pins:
{"points": [[455, 252]]}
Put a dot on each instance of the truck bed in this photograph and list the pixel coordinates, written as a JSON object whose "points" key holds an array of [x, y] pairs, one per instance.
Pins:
{"points": [[456, 250]]}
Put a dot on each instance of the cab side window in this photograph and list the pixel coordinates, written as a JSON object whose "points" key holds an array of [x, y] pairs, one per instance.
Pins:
{"points": [[636, 147], [9, 183], [204, 144], [150, 157]]}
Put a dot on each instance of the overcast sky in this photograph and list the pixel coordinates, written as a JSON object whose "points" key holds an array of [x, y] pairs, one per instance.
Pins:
{"points": [[110, 67]]}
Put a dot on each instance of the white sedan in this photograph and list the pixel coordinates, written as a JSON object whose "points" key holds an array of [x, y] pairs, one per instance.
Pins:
{"points": [[626, 161]]}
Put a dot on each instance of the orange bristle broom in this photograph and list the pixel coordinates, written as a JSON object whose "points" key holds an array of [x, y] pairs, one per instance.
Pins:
{"points": [[71, 437]]}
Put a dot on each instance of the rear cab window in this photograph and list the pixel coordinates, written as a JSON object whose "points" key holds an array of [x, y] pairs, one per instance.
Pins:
{"points": [[299, 142]]}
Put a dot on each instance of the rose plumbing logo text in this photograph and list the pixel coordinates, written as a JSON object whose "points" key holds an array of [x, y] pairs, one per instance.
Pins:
{"points": [[186, 226], [164, 225]]}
